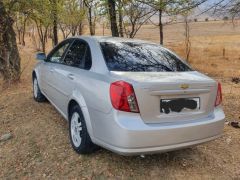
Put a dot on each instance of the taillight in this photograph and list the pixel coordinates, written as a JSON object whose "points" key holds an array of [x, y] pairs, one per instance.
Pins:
{"points": [[219, 95], [123, 97]]}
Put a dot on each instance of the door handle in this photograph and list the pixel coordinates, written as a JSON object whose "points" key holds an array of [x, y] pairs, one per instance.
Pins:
{"points": [[70, 76]]}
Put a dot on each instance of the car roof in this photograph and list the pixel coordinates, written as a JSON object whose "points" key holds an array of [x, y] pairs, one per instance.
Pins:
{"points": [[113, 39]]}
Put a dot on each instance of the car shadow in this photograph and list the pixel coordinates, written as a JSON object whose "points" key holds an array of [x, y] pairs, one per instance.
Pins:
{"points": [[182, 157]]}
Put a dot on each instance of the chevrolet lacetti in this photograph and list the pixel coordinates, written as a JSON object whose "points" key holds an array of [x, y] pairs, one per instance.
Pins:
{"points": [[129, 96]]}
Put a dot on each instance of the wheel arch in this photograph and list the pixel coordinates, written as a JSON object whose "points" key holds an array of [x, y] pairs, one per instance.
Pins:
{"points": [[79, 100], [71, 103], [34, 74]]}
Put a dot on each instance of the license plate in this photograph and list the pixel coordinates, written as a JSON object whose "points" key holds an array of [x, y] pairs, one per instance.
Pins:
{"points": [[178, 105]]}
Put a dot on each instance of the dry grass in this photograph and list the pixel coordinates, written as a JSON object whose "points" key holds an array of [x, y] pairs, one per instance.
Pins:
{"points": [[40, 147]]}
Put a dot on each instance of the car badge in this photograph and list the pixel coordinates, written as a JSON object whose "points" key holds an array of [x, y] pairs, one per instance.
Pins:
{"points": [[184, 86]]}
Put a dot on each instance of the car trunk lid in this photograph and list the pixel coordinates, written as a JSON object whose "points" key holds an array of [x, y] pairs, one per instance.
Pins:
{"points": [[153, 89]]}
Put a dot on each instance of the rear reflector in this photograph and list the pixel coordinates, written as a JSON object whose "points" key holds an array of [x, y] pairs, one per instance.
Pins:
{"points": [[219, 95], [123, 97]]}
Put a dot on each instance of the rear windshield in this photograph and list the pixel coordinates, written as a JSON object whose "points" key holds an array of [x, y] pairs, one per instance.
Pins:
{"points": [[140, 57]]}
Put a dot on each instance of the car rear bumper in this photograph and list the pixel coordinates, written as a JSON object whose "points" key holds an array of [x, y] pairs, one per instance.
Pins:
{"points": [[131, 136], [160, 149]]}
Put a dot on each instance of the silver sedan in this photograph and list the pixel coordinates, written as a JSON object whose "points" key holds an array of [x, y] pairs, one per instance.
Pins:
{"points": [[129, 96]]}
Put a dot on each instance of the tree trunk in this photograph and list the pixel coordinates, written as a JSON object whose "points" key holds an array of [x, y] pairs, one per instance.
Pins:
{"points": [[55, 32], [103, 29], [132, 30], [80, 29], [43, 34], [55, 22], [24, 31], [74, 30], [81, 24], [91, 27], [120, 18], [113, 19], [187, 39], [9, 55], [63, 31], [91, 24], [160, 27], [19, 36]]}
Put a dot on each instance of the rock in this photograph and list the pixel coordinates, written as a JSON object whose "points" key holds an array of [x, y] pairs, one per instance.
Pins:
{"points": [[235, 124], [5, 137], [236, 80], [228, 140]]}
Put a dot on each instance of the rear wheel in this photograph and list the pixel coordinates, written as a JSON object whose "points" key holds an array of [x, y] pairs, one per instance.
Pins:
{"points": [[37, 94], [79, 137]]}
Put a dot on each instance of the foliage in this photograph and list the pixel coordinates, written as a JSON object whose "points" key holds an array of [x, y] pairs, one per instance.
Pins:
{"points": [[71, 15]]}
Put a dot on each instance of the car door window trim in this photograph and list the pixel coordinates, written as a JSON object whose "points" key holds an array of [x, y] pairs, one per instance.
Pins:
{"points": [[70, 41]]}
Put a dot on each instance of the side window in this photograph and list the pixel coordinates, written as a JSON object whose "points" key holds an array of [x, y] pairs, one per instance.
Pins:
{"points": [[78, 55], [57, 55], [88, 59]]}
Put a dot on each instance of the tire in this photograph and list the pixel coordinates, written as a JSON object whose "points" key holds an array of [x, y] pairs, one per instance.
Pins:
{"points": [[37, 94], [79, 137]]}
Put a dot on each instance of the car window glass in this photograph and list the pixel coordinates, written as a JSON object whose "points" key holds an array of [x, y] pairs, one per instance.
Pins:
{"points": [[57, 56], [88, 59], [75, 55], [135, 56]]}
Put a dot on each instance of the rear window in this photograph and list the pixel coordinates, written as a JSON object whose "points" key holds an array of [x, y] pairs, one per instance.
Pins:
{"points": [[140, 57]]}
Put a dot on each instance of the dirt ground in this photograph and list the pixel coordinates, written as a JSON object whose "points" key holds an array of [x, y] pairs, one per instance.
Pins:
{"points": [[40, 145]]}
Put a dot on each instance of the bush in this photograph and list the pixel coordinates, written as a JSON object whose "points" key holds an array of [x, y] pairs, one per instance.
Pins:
{"points": [[225, 18]]}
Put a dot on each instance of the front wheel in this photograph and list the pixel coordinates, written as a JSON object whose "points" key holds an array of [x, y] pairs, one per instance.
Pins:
{"points": [[79, 137]]}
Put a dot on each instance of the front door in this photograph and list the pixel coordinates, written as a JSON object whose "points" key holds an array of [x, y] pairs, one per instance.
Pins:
{"points": [[48, 70]]}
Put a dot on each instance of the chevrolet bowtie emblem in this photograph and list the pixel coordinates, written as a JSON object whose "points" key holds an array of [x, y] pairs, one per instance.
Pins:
{"points": [[184, 86]]}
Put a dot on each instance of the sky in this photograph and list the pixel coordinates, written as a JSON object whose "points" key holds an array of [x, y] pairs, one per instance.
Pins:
{"points": [[198, 12]]}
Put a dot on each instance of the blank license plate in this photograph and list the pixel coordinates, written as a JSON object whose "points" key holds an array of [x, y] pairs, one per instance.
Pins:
{"points": [[179, 105]]}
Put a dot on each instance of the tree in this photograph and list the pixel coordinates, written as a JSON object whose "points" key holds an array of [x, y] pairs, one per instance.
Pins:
{"points": [[20, 22], [170, 8], [185, 15], [187, 38], [41, 15], [92, 15], [135, 15], [20, 13], [113, 18], [9, 55], [234, 9], [72, 17], [160, 6]]}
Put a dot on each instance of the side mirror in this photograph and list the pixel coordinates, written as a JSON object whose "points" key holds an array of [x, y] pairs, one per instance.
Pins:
{"points": [[41, 56]]}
